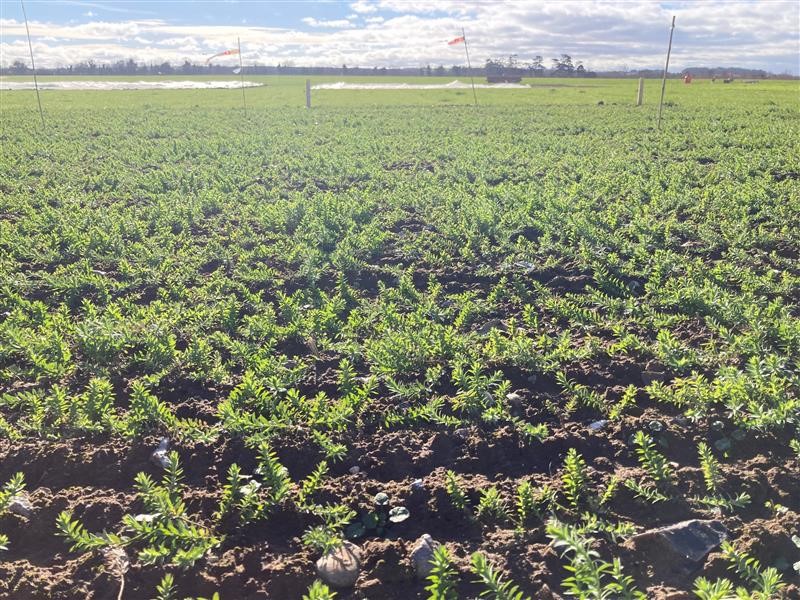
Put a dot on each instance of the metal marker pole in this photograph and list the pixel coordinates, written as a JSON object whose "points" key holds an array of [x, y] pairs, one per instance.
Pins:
{"points": [[241, 74], [308, 93], [664, 77], [33, 63], [469, 67]]}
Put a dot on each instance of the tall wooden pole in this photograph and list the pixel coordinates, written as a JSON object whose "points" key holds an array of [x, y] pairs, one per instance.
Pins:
{"points": [[664, 77], [469, 67], [33, 63], [241, 74], [640, 92]]}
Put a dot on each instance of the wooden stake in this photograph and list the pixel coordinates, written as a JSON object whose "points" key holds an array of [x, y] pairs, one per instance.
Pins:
{"points": [[241, 74], [640, 93], [469, 67], [33, 64], [664, 77]]}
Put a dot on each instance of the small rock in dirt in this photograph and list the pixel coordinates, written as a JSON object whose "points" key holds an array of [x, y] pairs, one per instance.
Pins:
{"points": [[462, 432], [417, 485], [598, 425], [489, 325], [545, 593], [690, 541], [532, 379], [421, 555], [526, 266], [341, 566], [159, 456], [649, 377], [355, 470], [21, 505], [514, 399]]}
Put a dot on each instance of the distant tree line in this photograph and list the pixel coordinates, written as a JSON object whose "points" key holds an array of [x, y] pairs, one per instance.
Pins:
{"points": [[563, 66]]}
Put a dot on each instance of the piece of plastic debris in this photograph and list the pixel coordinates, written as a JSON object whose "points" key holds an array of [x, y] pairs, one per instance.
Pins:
{"points": [[160, 456], [145, 518]]}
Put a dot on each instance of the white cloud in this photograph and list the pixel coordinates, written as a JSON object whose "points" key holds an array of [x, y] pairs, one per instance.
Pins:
{"points": [[602, 35], [458, 7], [113, 8], [332, 24], [363, 7]]}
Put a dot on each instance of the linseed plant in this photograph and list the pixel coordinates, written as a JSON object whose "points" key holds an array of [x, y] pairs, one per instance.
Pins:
{"points": [[322, 305]]}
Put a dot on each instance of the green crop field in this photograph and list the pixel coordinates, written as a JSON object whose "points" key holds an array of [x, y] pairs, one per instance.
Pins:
{"points": [[536, 329]]}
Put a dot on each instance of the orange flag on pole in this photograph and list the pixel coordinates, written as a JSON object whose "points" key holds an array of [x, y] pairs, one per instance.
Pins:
{"points": [[462, 39], [225, 53]]}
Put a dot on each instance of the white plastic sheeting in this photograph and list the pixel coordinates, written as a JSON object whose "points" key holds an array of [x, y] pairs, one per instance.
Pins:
{"points": [[453, 85], [125, 85]]}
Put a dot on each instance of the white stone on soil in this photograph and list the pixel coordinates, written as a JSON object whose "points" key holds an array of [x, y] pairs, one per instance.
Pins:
{"points": [[341, 566], [691, 540], [421, 555], [21, 505]]}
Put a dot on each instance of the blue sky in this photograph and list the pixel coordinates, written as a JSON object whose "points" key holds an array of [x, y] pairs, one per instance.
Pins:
{"points": [[278, 14], [603, 35]]}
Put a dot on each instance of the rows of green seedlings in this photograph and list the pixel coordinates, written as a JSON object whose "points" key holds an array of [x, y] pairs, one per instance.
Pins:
{"points": [[169, 535], [169, 252]]}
